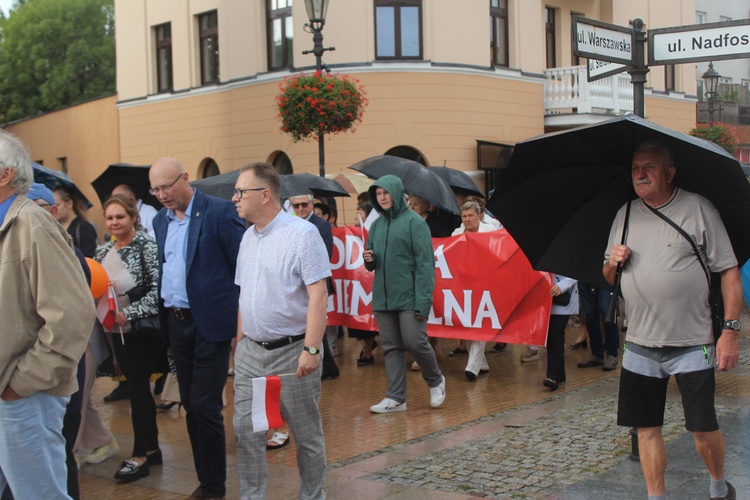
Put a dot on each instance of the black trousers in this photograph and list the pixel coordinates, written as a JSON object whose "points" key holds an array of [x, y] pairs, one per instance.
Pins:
{"points": [[556, 347], [202, 368], [138, 358]]}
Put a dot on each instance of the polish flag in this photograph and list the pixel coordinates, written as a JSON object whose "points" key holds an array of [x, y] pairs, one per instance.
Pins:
{"points": [[266, 413], [112, 308]]}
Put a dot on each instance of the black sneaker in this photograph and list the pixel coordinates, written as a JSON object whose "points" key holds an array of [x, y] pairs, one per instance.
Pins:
{"points": [[120, 392], [592, 361]]}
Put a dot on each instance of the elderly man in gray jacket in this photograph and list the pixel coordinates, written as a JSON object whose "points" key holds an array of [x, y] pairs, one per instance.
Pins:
{"points": [[47, 314]]}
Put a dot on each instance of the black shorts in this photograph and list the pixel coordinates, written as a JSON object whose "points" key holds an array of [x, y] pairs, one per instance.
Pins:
{"points": [[643, 400]]}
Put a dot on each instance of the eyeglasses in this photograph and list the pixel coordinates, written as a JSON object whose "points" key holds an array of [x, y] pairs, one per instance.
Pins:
{"points": [[166, 188], [239, 192], [300, 205]]}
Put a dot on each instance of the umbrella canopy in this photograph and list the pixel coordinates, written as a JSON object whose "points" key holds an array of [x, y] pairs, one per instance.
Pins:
{"points": [[135, 176], [55, 179], [458, 180], [417, 179], [299, 184], [353, 183], [222, 186], [561, 191]]}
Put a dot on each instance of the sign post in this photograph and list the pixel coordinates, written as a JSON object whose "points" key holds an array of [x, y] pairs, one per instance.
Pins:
{"points": [[699, 42]]}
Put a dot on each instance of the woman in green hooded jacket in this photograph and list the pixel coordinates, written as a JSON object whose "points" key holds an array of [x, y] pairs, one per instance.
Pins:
{"points": [[399, 251]]}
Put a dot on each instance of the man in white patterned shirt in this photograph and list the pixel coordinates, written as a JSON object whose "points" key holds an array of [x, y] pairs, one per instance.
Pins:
{"points": [[281, 270]]}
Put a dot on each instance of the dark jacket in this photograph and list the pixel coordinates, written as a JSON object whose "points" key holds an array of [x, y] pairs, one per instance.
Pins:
{"points": [[324, 228], [213, 242], [404, 262]]}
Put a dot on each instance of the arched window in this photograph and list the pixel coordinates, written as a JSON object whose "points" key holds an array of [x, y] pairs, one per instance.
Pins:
{"points": [[281, 162], [208, 168], [407, 152]]}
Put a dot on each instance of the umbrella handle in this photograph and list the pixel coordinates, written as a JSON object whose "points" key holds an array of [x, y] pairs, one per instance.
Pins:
{"points": [[611, 315]]}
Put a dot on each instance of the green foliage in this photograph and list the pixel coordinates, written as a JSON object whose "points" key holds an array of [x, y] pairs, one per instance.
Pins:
{"points": [[730, 95], [315, 104], [719, 133], [55, 53]]}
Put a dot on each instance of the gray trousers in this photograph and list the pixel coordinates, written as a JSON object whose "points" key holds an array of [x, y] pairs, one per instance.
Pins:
{"points": [[299, 407], [401, 331]]}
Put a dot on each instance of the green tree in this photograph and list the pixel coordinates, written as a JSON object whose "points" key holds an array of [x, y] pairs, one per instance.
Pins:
{"points": [[55, 53]]}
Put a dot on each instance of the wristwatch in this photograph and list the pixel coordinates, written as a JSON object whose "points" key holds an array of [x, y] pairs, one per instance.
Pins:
{"points": [[732, 324], [311, 350]]}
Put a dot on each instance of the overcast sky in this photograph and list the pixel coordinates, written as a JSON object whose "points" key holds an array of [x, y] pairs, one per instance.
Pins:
{"points": [[5, 5]]}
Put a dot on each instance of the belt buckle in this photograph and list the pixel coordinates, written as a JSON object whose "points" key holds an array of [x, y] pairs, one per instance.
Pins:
{"points": [[178, 314]]}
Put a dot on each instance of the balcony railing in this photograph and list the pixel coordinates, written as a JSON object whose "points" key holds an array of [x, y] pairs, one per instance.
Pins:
{"points": [[567, 90]]}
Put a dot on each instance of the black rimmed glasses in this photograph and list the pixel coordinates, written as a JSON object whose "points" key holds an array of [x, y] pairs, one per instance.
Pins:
{"points": [[165, 188], [239, 192]]}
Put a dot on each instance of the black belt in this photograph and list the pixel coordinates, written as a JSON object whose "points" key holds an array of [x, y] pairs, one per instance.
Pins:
{"points": [[280, 343], [181, 314]]}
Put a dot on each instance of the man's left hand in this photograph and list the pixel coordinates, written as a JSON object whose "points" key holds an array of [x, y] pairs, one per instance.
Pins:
{"points": [[307, 364], [727, 351], [9, 394]]}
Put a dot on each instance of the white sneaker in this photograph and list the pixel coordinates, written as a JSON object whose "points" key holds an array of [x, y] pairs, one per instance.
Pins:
{"points": [[437, 394], [102, 453], [388, 405]]}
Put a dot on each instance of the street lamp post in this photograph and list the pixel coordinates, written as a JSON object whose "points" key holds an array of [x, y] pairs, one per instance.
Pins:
{"points": [[711, 78], [316, 12]]}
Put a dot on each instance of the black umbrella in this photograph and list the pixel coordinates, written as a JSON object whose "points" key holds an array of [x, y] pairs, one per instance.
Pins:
{"points": [[417, 179], [135, 176], [561, 191], [299, 184], [458, 180], [222, 186], [54, 179]]}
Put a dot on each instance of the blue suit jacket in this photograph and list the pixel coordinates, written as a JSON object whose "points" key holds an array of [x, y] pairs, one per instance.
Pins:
{"points": [[213, 242]]}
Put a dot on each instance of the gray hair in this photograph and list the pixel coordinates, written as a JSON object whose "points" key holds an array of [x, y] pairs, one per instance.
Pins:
{"points": [[472, 205], [658, 146], [308, 196], [13, 154]]}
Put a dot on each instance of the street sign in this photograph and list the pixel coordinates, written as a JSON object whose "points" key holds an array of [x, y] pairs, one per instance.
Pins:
{"points": [[699, 42], [602, 41], [597, 70]]}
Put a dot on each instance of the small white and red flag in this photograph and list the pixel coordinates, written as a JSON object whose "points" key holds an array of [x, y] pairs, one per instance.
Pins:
{"points": [[112, 308], [266, 413]]}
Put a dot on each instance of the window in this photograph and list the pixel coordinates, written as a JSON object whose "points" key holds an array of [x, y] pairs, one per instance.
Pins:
{"points": [[549, 34], [208, 26], [163, 57], [280, 34], [499, 32], [700, 17], [282, 163], [398, 29], [209, 169], [669, 77], [407, 152]]}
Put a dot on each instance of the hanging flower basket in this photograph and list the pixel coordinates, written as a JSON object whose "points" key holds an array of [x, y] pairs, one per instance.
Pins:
{"points": [[314, 104], [719, 133]]}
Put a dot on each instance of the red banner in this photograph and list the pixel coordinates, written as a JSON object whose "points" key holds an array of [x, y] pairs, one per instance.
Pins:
{"points": [[485, 289]]}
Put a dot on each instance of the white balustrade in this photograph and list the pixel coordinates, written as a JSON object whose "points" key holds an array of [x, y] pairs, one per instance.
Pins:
{"points": [[568, 91]]}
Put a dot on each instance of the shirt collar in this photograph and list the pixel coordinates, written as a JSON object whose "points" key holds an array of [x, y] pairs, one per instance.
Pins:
{"points": [[189, 210]]}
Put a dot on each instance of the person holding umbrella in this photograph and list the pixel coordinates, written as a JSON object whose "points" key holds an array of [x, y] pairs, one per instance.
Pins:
{"points": [[669, 333], [399, 251]]}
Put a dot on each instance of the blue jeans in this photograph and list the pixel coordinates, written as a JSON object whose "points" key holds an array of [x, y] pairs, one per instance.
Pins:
{"points": [[594, 303], [32, 447]]}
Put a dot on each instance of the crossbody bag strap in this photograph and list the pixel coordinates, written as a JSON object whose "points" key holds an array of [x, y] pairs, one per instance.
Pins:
{"points": [[687, 237]]}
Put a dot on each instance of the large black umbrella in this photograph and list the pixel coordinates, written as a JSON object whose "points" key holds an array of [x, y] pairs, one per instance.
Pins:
{"points": [[135, 176], [298, 184], [54, 179], [222, 186], [417, 179], [561, 191], [458, 180]]}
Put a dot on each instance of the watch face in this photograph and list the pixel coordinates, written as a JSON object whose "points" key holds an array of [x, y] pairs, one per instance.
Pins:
{"points": [[312, 350], [732, 324]]}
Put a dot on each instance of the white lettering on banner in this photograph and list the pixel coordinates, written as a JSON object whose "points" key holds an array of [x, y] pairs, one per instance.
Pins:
{"points": [[348, 250], [349, 295], [485, 310], [441, 264]]}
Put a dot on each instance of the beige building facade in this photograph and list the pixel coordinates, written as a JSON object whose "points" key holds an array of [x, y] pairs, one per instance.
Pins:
{"points": [[197, 79]]}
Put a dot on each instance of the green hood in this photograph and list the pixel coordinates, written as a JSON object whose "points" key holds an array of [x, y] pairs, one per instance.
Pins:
{"points": [[395, 187]]}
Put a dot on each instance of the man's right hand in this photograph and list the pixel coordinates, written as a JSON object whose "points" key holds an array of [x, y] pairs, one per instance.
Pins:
{"points": [[618, 255]]}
